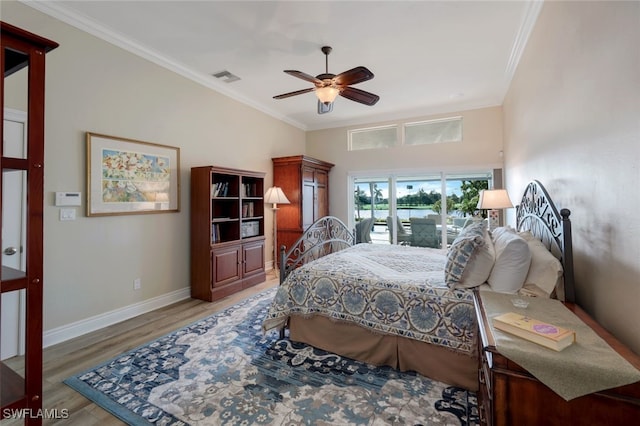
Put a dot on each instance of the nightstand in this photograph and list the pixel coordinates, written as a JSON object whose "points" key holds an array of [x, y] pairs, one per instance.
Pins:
{"points": [[509, 395]]}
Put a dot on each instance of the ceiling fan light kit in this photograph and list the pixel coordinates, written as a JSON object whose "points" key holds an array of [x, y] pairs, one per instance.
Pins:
{"points": [[328, 86], [327, 94]]}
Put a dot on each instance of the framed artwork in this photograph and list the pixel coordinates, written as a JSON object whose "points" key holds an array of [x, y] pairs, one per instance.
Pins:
{"points": [[126, 176]]}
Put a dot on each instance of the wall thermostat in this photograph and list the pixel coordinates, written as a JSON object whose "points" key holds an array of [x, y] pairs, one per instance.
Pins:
{"points": [[68, 198]]}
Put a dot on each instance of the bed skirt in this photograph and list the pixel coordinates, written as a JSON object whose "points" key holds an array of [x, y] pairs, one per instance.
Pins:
{"points": [[438, 363]]}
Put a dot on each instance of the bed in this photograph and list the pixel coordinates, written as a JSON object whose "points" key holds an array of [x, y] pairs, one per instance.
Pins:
{"points": [[412, 308]]}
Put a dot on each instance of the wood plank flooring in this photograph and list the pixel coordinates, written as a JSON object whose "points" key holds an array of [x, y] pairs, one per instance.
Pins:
{"points": [[76, 355]]}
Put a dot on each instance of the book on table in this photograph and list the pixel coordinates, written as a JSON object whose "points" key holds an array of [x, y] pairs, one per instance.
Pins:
{"points": [[542, 333]]}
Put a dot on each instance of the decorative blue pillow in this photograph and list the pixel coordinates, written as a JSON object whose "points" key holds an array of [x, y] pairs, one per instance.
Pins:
{"points": [[461, 251]]}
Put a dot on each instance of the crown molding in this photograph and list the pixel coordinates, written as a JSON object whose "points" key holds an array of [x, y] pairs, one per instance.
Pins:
{"points": [[109, 35], [526, 28], [88, 25]]}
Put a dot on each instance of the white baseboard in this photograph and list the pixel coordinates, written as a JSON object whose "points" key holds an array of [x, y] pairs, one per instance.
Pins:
{"points": [[69, 331]]}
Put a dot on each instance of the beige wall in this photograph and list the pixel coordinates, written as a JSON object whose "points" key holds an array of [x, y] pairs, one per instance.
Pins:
{"points": [[480, 150], [572, 121], [90, 263]]}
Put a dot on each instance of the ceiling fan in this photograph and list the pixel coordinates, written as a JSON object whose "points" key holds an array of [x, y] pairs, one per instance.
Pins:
{"points": [[327, 86]]}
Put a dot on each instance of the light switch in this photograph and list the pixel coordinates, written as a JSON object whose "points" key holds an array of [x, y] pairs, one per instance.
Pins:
{"points": [[67, 214]]}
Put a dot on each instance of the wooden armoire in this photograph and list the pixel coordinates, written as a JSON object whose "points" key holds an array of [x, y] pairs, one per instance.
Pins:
{"points": [[22, 59], [305, 182]]}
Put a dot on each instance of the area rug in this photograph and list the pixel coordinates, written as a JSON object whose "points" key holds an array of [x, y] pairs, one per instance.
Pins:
{"points": [[222, 370]]}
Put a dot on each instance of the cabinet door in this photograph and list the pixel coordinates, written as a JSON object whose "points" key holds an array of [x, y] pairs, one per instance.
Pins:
{"points": [[308, 196], [322, 202], [322, 194], [321, 178], [226, 264], [308, 204], [253, 255]]}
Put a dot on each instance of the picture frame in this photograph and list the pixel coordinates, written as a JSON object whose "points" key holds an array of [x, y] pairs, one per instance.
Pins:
{"points": [[127, 176]]}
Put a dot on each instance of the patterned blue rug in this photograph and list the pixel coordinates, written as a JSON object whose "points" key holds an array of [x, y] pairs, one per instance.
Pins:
{"points": [[223, 371]]}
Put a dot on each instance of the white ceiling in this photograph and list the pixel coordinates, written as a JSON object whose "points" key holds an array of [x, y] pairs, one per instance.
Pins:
{"points": [[428, 57]]}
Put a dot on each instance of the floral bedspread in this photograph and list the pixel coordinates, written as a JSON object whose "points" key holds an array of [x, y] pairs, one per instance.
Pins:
{"points": [[385, 288]]}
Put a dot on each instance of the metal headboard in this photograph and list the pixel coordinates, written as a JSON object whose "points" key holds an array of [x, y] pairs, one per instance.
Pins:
{"points": [[537, 213], [327, 235]]}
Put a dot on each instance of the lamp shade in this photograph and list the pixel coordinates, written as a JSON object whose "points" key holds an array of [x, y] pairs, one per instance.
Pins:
{"points": [[275, 195], [327, 94], [494, 199]]}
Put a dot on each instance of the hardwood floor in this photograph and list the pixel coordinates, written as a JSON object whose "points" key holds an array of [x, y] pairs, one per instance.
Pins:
{"points": [[76, 355]]}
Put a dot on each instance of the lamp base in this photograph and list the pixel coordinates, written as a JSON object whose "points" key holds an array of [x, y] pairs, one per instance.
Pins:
{"points": [[494, 219], [275, 242]]}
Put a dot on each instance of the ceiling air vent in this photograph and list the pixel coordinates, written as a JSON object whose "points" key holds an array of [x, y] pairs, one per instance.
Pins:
{"points": [[226, 76]]}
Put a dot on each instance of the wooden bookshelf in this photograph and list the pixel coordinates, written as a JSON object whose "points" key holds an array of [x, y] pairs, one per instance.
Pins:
{"points": [[23, 54], [227, 231]]}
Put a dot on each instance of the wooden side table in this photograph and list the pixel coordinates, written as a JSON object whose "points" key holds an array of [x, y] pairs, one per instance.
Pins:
{"points": [[508, 395]]}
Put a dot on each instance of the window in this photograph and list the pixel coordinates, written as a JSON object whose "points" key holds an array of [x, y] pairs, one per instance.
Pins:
{"points": [[373, 138], [433, 131], [394, 201], [418, 133]]}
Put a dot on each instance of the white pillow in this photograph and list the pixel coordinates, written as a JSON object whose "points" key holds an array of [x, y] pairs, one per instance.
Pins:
{"points": [[479, 265], [545, 271], [496, 232], [513, 258]]}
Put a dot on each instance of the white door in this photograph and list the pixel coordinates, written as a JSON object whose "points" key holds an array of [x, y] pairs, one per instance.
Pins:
{"points": [[13, 235]]}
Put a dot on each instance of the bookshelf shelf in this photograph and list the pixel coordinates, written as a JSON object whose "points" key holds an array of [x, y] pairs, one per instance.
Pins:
{"points": [[227, 231]]}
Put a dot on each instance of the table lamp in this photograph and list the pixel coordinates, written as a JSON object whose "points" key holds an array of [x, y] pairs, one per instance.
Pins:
{"points": [[494, 200], [275, 196]]}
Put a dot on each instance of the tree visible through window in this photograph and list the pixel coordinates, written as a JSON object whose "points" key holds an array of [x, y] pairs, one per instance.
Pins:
{"points": [[471, 194]]}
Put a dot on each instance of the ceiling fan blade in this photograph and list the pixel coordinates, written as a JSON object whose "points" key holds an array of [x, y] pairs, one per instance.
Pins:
{"points": [[359, 96], [305, 77], [297, 92], [353, 76], [324, 108]]}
